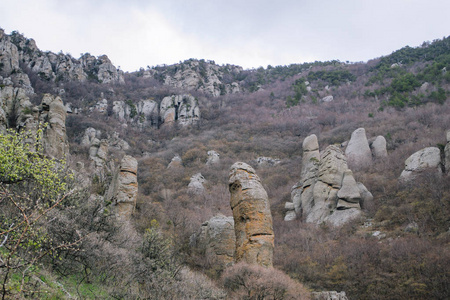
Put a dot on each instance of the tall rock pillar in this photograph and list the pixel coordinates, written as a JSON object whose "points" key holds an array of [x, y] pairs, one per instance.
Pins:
{"points": [[252, 217]]}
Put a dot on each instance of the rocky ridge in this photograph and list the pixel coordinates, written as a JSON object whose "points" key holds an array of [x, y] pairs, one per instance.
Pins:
{"points": [[18, 53]]}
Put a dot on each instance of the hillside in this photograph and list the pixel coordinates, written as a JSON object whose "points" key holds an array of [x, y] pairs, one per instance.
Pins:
{"points": [[150, 154]]}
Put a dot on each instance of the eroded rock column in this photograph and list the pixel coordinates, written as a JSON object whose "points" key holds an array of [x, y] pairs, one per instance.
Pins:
{"points": [[252, 216]]}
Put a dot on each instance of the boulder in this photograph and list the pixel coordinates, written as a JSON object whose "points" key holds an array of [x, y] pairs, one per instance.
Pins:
{"points": [[252, 216], [358, 151], [216, 240], [123, 189], [196, 184], [328, 295], [327, 99], [427, 158], [263, 161], [213, 158], [175, 163], [378, 147]]}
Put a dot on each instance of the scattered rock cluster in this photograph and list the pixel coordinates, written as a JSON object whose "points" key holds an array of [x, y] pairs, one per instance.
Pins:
{"points": [[327, 190]]}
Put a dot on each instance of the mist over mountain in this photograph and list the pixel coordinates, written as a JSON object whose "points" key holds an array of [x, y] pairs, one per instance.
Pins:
{"points": [[205, 181]]}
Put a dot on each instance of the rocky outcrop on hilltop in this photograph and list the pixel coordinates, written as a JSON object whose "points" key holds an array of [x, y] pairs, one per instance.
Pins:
{"points": [[327, 190], [122, 192], [16, 48], [216, 240], [252, 216], [199, 75]]}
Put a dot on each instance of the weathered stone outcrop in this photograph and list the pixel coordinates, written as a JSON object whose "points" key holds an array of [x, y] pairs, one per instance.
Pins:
{"points": [[16, 111], [213, 158], [176, 162], [447, 153], [216, 239], [144, 112], [16, 48], [182, 109], [358, 151], [195, 186], [123, 189], [252, 216], [54, 114], [264, 161], [332, 295], [427, 158], [327, 190], [204, 76], [378, 147]]}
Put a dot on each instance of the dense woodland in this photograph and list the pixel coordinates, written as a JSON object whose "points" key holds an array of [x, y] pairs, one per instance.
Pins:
{"points": [[88, 256]]}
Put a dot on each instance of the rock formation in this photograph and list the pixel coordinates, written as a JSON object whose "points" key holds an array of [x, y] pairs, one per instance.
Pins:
{"points": [[327, 190], [200, 75], [428, 158], [16, 48], [183, 109], [176, 162], [54, 113], [123, 189], [332, 295], [378, 147], [213, 158], [196, 184], [16, 111], [264, 161], [216, 240], [358, 151], [252, 216], [447, 153]]}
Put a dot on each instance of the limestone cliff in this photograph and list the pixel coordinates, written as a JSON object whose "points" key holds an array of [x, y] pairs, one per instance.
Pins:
{"points": [[16, 48]]}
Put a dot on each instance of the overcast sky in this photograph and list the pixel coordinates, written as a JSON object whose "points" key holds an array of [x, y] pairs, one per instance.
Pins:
{"points": [[249, 33]]}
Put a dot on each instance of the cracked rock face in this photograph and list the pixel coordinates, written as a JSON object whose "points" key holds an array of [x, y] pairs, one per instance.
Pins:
{"points": [[252, 216], [124, 187], [327, 190], [216, 238], [427, 158]]}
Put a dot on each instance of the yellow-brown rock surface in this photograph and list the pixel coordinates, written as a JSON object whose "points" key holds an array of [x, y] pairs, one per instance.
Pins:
{"points": [[252, 216]]}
